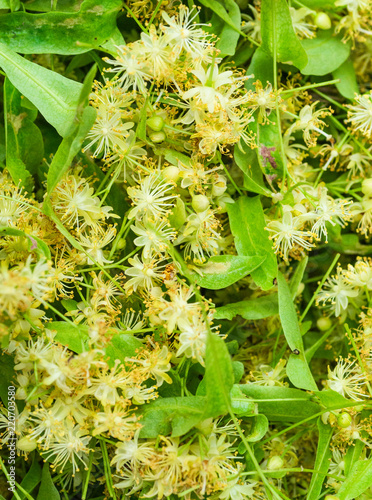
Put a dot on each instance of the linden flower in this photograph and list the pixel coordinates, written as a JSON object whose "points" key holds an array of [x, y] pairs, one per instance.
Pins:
{"points": [[360, 275], [134, 453], [360, 115], [184, 34], [301, 27], [237, 489], [130, 67], [12, 204], [144, 274], [193, 339], [346, 379], [152, 197], [337, 291], [153, 237], [70, 448], [154, 364], [159, 54], [309, 122], [264, 99], [108, 131], [94, 241], [287, 233]]}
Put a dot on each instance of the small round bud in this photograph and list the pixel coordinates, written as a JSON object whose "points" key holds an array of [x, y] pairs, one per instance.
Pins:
{"points": [[122, 243], [323, 21], [300, 289], [171, 173], [275, 463], [324, 324], [200, 203], [219, 187], [367, 187], [156, 123], [26, 444], [344, 419], [158, 137]]}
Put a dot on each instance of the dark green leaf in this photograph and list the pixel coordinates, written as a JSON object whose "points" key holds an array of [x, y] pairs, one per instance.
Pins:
{"points": [[247, 161], [59, 32], [47, 489], [6, 376], [262, 307], [281, 403], [228, 36], [247, 223], [358, 480], [269, 138], [278, 35], [353, 454], [288, 316], [220, 10], [75, 337], [240, 404], [297, 277], [224, 270], [261, 67], [55, 96], [325, 53], [31, 479], [348, 85], [323, 455]]}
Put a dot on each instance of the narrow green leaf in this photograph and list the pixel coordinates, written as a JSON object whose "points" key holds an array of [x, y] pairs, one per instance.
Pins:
{"points": [[247, 223], [229, 36], [278, 35], [55, 96], [299, 373], [297, 276], [348, 85], [60, 32], [358, 481], [325, 53], [47, 489], [353, 454], [262, 307], [288, 316], [223, 270], [323, 455]]}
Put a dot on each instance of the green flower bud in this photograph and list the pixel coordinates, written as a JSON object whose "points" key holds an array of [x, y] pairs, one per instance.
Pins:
{"points": [[323, 21], [156, 123], [158, 137], [367, 187], [171, 173], [275, 463], [344, 419], [26, 444], [200, 203], [219, 187], [324, 324], [122, 243]]}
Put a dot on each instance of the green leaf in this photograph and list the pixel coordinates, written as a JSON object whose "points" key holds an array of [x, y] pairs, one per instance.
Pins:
{"points": [[59, 32], [31, 479], [319, 4], [299, 373], [122, 345], [34, 243], [223, 270], [325, 53], [14, 119], [247, 223], [219, 375], [221, 12], [75, 337], [253, 309], [297, 276], [323, 455], [171, 415], [269, 140], [247, 161], [353, 454], [47, 489], [281, 404], [240, 404], [261, 67], [6, 376], [278, 35], [348, 85], [228, 36], [331, 399], [288, 316], [55, 96], [358, 480]]}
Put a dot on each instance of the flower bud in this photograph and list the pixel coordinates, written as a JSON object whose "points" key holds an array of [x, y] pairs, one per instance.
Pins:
{"points": [[324, 324], [121, 244], [171, 173], [344, 419], [158, 137], [26, 444], [200, 203], [156, 123], [323, 21], [275, 463], [219, 187], [367, 187]]}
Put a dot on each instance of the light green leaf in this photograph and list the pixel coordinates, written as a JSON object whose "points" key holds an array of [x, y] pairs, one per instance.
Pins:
{"points": [[247, 223], [281, 404], [220, 10], [223, 270], [358, 480], [60, 32], [353, 455], [297, 276], [47, 489], [278, 35], [261, 67], [269, 139], [228, 36], [75, 337], [348, 85], [259, 308], [299, 373], [240, 404], [321, 465], [288, 316], [55, 96], [331, 399], [247, 161], [325, 53], [121, 346]]}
